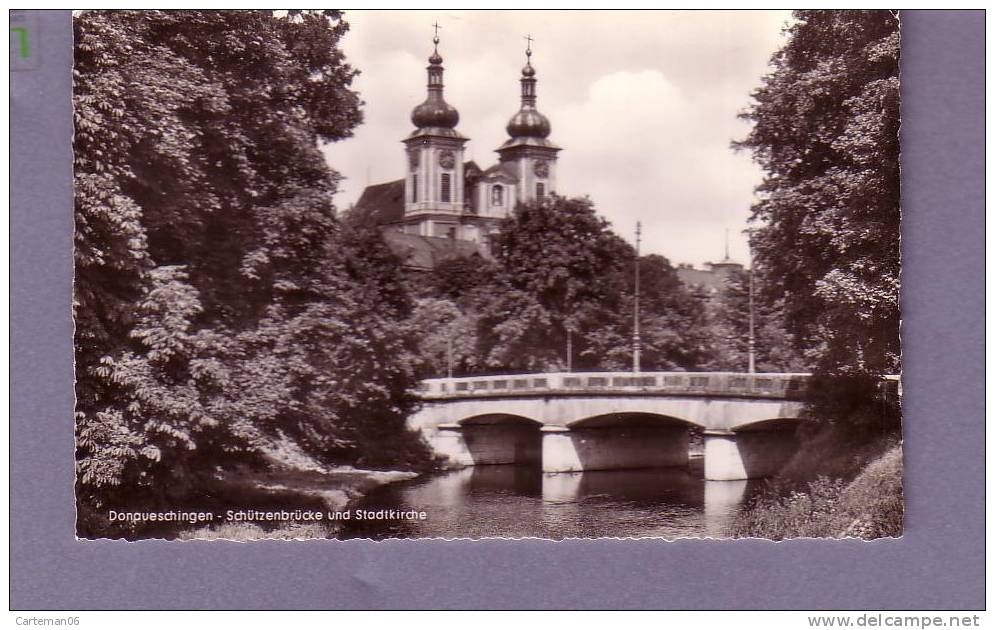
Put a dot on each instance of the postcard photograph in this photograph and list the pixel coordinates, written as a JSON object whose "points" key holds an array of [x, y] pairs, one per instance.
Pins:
{"points": [[487, 274]]}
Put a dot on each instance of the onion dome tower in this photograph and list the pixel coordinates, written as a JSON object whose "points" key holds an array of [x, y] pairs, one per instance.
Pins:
{"points": [[434, 183], [528, 151]]}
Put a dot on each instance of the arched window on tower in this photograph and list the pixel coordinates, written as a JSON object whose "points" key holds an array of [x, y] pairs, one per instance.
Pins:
{"points": [[540, 190], [447, 192], [497, 195], [414, 188]]}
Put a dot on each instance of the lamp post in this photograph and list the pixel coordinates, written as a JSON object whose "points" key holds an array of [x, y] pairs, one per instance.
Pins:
{"points": [[751, 340], [635, 314], [449, 353], [570, 349]]}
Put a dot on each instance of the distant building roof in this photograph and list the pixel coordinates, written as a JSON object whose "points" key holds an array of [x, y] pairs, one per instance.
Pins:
{"points": [[426, 252], [725, 266], [707, 280]]}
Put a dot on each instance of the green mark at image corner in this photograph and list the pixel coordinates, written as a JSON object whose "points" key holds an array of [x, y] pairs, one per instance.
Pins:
{"points": [[22, 39]]}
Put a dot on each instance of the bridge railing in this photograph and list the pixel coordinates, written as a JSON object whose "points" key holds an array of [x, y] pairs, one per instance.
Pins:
{"points": [[766, 385]]}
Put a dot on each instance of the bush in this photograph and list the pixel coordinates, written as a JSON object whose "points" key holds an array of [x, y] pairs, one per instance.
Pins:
{"points": [[870, 506]]}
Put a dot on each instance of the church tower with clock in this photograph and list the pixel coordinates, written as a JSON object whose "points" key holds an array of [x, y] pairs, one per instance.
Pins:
{"points": [[447, 206], [434, 186]]}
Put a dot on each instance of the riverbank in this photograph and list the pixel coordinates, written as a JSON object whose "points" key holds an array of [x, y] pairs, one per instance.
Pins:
{"points": [[292, 483], [328, 491], [866, 505]]}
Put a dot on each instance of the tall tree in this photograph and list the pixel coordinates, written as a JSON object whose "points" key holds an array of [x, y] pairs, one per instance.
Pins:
{"points": [[560, 267], [218, 301], [562, 277], [826, 133]]}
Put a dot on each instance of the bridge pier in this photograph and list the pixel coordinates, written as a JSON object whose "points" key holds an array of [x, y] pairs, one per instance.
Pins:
{"points": [[447, 441], [480, 445], [731, 456], [612, 448]]}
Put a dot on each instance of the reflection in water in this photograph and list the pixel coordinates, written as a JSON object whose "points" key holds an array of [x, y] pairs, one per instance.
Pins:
{"points": [[516, 501], [722, 501]]}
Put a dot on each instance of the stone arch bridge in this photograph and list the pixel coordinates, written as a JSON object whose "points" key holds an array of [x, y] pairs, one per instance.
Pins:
{"points": [[571, 422]]}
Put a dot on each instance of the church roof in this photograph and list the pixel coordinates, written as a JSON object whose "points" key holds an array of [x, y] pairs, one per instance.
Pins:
{"points": [[437, 132], [470, 169], [426, 252], [503, 171], [525, 141], [382, 203]]}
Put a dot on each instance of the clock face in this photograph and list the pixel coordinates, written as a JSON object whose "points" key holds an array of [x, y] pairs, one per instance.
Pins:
{"points": [[413, 159], [541, 169], [447, 159]]}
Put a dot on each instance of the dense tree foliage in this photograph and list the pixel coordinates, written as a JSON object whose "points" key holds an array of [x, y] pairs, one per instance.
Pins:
{"points": [[560, 268], [218, 301], [558, 271], [826, 133], [674, 329], [460, 278], [729, 317], [446, 333]]}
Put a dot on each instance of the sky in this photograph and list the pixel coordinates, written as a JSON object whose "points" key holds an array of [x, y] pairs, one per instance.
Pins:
{"points": [[644, 105]]}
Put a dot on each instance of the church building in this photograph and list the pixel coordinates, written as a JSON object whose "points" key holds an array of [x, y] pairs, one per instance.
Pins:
{"points": [[448, 206]]}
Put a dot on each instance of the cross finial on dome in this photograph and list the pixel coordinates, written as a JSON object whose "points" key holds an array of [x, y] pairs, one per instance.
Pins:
{"points": [[528, 70], [436, 58]]}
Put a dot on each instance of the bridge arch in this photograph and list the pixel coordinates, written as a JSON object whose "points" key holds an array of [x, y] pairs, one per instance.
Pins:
{"points": [[616, 440], [492, 419], [770, 424], [501, 438], [647, 419]]}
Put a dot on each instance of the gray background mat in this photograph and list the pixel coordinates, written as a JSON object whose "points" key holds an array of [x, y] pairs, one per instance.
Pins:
{"points": [[938, 564]]}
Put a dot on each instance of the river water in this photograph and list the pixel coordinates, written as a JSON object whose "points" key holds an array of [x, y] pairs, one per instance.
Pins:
{"points": [[517, 501]]}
